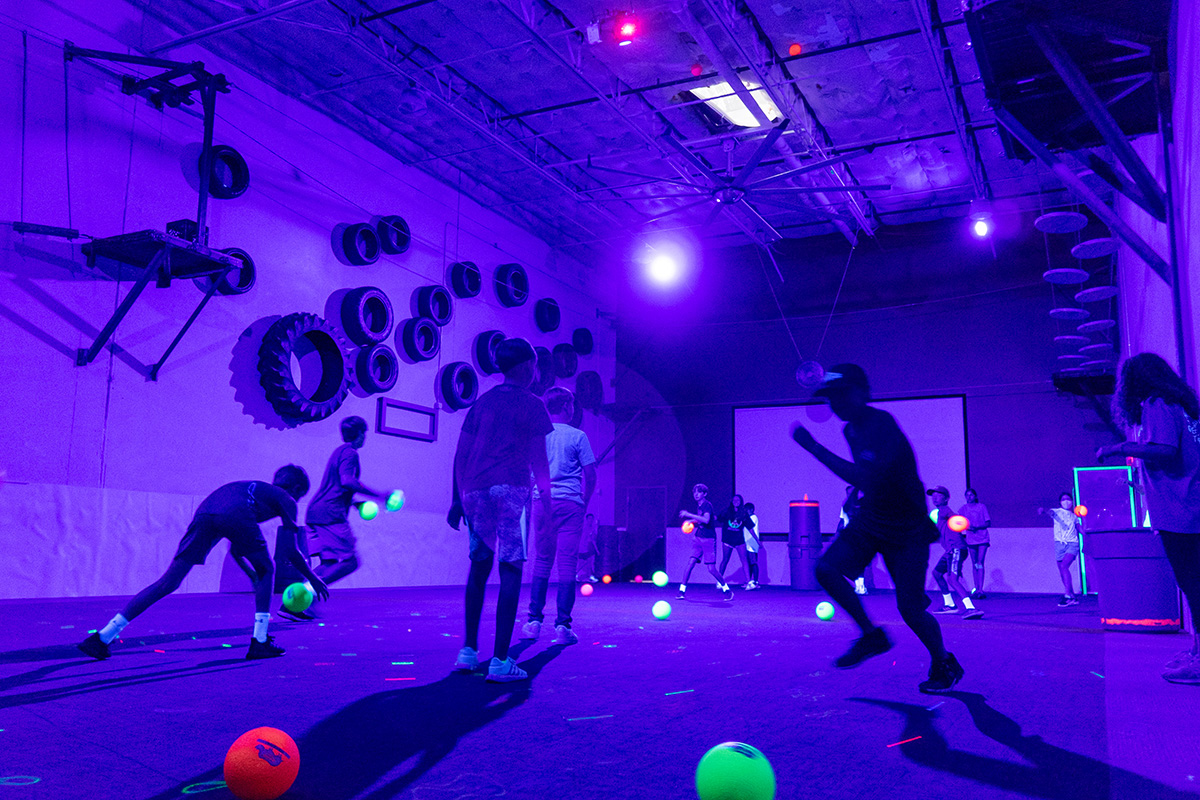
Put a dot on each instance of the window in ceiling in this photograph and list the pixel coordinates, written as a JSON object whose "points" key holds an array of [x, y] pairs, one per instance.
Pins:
{"points": [[721, 98]]}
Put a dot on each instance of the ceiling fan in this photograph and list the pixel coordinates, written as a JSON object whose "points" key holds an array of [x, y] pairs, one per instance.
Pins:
{"points": [[727, 189]]}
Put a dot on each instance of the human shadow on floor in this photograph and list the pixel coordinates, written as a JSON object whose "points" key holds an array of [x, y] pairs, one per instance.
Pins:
{"points": [[378, 746], [57, 652], [1056, 774], [101, 679]]}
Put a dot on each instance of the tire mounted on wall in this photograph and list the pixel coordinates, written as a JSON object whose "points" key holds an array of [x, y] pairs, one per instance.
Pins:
{"points": [[367, 315], [582, 341], [435, 302], [485, 351], [547, 315], [275, 368], [566, 362], [589, 390], [377, 368], [420, 338], [512, 285], [239, 173], [360, 244], [394, 235], [465, 279], [458, 385]]}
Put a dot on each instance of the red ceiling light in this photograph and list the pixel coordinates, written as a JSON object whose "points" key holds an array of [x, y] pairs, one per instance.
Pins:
{"points": [[625, 29], [794, 49]]}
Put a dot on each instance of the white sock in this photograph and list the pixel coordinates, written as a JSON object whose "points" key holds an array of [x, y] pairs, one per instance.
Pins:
{"points": [[113, 629], [683, 587], [724, 587], [947, 599], [260, 625], [969, 605]]}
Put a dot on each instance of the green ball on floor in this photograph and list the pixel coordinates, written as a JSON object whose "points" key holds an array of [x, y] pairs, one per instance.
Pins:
{"points": [[661, 610], [825, 611], [659, 578], [735, 771], [297, 598]]}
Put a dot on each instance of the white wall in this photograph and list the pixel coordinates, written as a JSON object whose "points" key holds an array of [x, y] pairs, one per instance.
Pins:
{"points": [[103, 466]]}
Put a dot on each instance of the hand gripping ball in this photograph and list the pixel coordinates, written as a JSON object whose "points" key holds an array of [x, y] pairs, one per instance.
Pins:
{"points": [[688, 526], [958, 523], [262, 764], [368, 509], [735, 771], [297, 597]]}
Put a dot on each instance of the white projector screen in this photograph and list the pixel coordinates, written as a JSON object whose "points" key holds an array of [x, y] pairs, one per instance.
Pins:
{"points": [[769, 469]]}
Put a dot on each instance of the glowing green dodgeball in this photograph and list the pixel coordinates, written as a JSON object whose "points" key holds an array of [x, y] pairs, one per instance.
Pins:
{"points": [[395, 500], [368, 509], [659, 578], [735, 771], [825, 611], [661, 610], [297, 598]]}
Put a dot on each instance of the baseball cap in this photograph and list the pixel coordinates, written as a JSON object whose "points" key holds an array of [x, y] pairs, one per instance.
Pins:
{"points": [[511, 352], [937, 489], [840, 377]]}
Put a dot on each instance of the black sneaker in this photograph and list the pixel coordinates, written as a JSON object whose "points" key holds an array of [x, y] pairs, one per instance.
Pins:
{"points": [[727, 593], [943, 675], [947, 610], [95, 647], [871, 644], [267, 649], [979, 595], [682, 594], [1065, 601], [295, 616]]}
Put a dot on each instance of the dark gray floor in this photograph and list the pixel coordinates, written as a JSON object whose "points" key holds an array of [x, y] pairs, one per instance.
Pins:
{"points": [[1051, 707]]}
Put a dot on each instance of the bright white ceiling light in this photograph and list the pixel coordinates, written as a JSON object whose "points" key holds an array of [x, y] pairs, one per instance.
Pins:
{"points": [[663, 270], [721, 98]]}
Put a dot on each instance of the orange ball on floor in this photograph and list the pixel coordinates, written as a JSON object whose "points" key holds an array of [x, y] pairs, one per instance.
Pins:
{"points": [[262, 764]]}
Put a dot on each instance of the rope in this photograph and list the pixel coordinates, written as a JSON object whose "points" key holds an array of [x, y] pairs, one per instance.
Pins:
{"points": [[845, 270]]}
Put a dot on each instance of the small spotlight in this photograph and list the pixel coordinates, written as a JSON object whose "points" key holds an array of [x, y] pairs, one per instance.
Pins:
{"points": [[980, 214], [625, 29], [794, 49], [982, 228], [663, 270]]}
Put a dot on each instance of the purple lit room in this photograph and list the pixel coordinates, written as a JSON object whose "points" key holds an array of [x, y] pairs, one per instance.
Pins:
{"points": [[562, 400]]}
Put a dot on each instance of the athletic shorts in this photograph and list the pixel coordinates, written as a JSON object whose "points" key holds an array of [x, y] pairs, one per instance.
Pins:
{"points": [[704, 548], [1064, 549], [951, 561], [498, 521], [334, 541], [205, 530]]}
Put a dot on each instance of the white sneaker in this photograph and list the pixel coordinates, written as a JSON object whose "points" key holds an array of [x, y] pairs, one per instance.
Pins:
{"points": [[505, 671], [531, 629], [860, 586], [564, 635], [468, 660]]}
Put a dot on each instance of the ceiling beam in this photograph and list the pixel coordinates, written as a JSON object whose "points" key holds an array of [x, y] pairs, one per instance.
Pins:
{"points": [[231, 25]]}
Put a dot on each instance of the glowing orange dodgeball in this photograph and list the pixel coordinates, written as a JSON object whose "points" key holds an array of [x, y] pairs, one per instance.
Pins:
{"points": [[1081, 511], [958, 523], [688, 526], [262, 764]]}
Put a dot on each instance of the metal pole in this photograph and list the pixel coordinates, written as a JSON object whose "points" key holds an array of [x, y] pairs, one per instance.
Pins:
{"points": [[233, 24], [208, 94]]}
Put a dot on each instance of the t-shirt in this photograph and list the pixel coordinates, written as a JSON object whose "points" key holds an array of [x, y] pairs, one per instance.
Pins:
{"points": [[951, 539], [733, 525], [751, 542], [706, 530], [1173, 487], [1066, 525], [331, 503], [568, 451], [977, 514], [502, 421], [250, 501], [893, 498]]}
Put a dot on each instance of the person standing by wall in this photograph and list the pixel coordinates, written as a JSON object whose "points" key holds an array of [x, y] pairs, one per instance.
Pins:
{"points": [[1066, 544], [1163, 416], [572, 481], [753, 543], [503, 442], [978, 539]]}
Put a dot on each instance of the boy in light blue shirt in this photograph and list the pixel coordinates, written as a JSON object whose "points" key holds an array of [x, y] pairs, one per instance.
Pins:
{"points": [[572, 481]]}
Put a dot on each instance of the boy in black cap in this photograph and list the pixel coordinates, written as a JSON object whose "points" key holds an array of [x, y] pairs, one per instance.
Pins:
{"points": [[503, 441], [231, 512], [948, 571], [891, 521], [327, 520]]}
